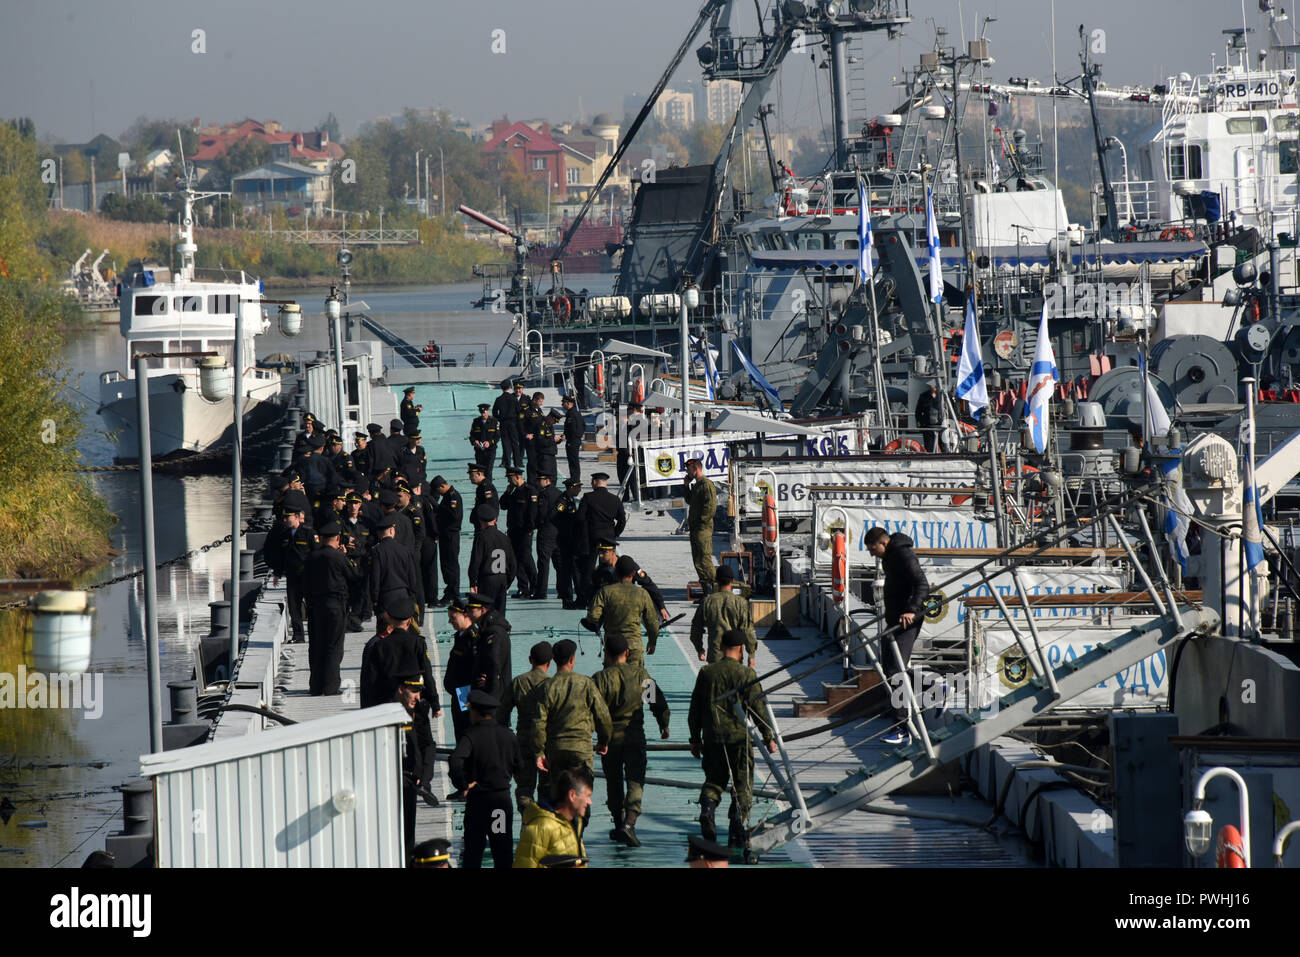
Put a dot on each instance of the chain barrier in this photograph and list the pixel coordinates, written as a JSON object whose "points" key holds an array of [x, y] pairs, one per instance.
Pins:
{"points": [[255, 525], [211, 453]]}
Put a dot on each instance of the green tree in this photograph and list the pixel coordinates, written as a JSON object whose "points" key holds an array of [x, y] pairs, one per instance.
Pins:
{"points": [[331, 126], [247, 154]]}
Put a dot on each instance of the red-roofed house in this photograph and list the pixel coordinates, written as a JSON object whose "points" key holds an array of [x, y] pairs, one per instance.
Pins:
{"points": [[532, 151], [312, 149]]}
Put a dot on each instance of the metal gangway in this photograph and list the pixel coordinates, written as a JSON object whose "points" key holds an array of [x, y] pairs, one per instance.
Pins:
{"points": [[1046, 689], [400, 346]]}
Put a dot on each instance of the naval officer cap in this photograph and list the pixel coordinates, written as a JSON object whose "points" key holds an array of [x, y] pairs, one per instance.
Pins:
{"points": [[514, 471], [395, 425], [374, 428], [480, 700], [354, 498], [296, 501], [329, 530], [605, 545], [400, 609], [458, 607], [388, 496], [600, 476], [408, 390], [700, 848], [316, 440], [486, 512], [435, 852], [483, 407], [388, 521], [473, 467], [572, 483], [475, 600], [438, 482], [413, 680], [360, 435]]}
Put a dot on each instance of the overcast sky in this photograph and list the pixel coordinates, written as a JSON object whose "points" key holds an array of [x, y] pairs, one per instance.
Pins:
{"points": [[78, 67]]}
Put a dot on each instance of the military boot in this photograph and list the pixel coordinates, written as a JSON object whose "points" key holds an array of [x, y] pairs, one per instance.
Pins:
{"points": [[708, 829], [629, 830], [616, 834], [736, 836]]}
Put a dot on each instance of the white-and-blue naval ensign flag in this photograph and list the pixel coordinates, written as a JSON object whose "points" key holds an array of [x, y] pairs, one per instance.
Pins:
{"points": [[1252, 519], [1042, 378], [932, 241], [865, 266], [1178, 507], [971, 384], [758, 378]]}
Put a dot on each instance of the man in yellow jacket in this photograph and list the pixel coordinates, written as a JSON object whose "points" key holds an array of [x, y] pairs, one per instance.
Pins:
{"points": [[545, 832]]}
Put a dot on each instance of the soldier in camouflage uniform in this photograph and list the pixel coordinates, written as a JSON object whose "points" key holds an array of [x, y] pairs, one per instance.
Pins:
{"points": [[521, 694], [703, 502], [626, 688], [720, 612], [569, 711], [720, 739], [622, 608]]}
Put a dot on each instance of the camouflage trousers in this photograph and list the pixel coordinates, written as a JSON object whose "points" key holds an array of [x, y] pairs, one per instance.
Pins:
{"points": [[702, 557], [624, 765], [733, 761]]}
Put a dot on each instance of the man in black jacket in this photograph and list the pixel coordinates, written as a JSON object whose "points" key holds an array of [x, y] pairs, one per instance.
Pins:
{"points": [[482, 765], [394, 572], [574, 431], [602, 514], [491, 559], [417, 753], [329, 571], [450, 516], [506, 411], [906, 589], [548, 532], [520, 500]]}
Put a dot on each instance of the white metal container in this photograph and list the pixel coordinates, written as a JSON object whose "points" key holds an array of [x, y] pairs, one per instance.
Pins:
{"points": [[216, 378], [324, 793], [62, 631]]}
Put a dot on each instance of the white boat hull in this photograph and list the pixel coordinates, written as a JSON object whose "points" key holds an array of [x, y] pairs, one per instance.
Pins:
{"points": [[181, 421]]}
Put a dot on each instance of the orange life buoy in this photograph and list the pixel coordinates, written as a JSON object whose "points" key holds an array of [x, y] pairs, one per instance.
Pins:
{"points": [[1176, 232], [1009, 484], [769, 524], [1228, 849], [839, 565], [562, 308], [638, 391], [600, 379], [904, 445], [960, 499]]}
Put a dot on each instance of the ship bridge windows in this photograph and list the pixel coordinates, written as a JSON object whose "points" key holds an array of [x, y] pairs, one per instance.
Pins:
{"points": [[1245, 125], [223, 305], [187, 303], [151, 305], [1286, 122], [1185, 161], [145, 347], [810, 241], [1286, 158]]}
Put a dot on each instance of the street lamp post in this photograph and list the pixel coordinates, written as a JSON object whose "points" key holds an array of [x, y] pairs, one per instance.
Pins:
{"points": [[1197, 823], [334, 311], [690, 298], [237, 485], [417, 179], [442, 181]]}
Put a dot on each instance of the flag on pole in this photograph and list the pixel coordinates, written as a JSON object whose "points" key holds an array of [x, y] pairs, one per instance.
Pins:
{"points": [[865, 265], [712, 379], [1041, 376], [757, 377], [932, 240], [1178, 507], [971, 385], [1252, 519]]}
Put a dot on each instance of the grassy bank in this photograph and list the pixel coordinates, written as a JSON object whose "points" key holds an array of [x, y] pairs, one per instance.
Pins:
{"points": [[52, 524], [444, 254]]}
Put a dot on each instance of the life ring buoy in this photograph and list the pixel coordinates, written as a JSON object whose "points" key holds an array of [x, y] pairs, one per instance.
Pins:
{"points": [[562, 307], [967, 428], [1228, 849], [904, 446], [769, 524], [1009, 484], [1176, 232], [638, 391], [600, 379], [960, 499], [839, 566]]}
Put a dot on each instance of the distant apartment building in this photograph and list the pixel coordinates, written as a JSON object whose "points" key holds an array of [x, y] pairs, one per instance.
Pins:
{"points": [[588, 150], [675, 109], [722, 98]]}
